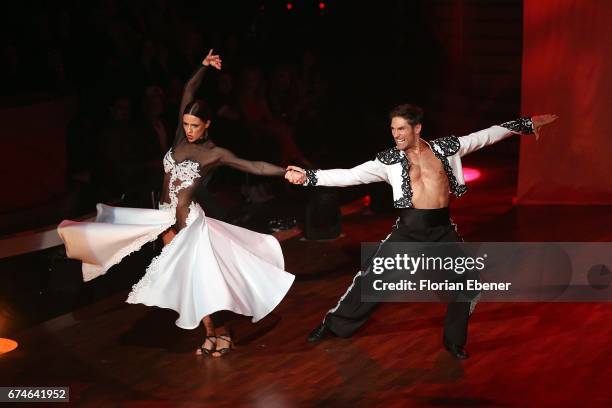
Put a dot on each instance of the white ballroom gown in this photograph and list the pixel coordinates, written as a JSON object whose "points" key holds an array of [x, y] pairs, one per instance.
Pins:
{"points": [[209, 266]]}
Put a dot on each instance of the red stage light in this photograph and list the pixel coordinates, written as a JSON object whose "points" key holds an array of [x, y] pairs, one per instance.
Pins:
{"points": [[471, 174], [321, 6], [289, 6], [7, 345]]}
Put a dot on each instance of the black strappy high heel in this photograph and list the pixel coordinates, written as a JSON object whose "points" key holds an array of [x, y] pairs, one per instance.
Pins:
{"points": [[223, 351], [203, 351]]}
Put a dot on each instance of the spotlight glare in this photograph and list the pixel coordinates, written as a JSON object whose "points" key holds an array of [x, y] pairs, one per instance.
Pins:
{"points": [[471, 174], [7, 345]]}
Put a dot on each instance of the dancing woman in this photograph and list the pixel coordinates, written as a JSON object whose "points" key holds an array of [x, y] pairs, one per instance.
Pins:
{"points": [[206, 265]]}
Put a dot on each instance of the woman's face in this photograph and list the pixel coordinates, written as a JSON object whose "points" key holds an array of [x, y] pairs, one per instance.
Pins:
{"points": [[194, 127]]}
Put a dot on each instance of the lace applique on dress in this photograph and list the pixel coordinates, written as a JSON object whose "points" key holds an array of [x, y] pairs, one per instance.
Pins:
{"points": [[168, 161], [154, 270], [185, 172]]}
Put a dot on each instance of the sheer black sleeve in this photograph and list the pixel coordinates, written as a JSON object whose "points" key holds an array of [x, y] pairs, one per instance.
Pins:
{"points": [[191, 87]]}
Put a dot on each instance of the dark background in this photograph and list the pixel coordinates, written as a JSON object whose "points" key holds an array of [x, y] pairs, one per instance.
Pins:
{"points": [[459, 59]]}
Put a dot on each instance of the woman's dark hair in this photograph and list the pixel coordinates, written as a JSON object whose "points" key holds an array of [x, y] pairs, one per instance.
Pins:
{"points": [[198, 108], [412, 113]]}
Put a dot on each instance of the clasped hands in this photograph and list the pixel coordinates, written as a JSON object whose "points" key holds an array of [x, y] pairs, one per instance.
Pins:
{"points": [[295, 175]]}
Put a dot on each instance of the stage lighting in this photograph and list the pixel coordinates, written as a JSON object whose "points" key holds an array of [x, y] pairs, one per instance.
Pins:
{"points": [[7, 345], [471, 174]]}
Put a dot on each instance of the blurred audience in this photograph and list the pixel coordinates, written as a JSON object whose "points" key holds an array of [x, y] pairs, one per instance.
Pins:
{"points": [[135, 56]]}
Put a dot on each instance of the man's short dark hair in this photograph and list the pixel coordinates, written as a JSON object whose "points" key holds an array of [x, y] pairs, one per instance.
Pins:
{"points": [[412, 113]]}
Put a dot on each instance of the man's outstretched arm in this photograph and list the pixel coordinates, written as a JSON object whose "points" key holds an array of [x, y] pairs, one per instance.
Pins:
{"points": [[369, 172], [480, 139]]}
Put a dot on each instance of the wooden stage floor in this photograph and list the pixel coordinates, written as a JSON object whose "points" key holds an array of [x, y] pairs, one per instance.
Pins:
{"points": [[522, 354]]}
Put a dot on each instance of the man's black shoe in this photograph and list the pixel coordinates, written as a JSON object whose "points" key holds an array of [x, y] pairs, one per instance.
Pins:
{"points": [[320, 333], [456, 351]]}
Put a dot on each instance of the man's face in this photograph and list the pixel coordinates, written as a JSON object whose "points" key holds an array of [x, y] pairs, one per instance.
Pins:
{"points": [[404, 134]]}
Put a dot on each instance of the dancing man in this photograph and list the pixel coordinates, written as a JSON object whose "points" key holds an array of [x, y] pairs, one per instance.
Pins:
{"points": [[422, 176]]}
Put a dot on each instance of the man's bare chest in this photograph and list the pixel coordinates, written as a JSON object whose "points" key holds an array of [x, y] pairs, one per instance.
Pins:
{"points": [[426, 167]]}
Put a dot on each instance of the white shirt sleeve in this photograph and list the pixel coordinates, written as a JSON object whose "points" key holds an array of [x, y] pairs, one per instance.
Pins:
{"points": [[480, 139], [369, 172]]}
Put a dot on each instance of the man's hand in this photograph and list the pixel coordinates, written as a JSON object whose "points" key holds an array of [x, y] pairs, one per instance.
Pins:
{"points": [[295, 175], [213, 60], [542, 120]]}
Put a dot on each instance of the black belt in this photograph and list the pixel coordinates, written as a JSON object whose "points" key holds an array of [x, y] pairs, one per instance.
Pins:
{"points": [[418, 218]]}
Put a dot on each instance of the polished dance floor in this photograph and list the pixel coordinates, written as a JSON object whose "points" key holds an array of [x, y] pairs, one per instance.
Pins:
{"points": [[522, 354]]}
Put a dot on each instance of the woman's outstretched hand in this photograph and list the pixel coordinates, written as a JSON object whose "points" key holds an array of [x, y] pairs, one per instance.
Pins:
{"points": [[213, 60]]}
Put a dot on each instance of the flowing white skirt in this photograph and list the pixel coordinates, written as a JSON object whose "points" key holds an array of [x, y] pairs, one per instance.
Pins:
{"points": [[208, 266]]}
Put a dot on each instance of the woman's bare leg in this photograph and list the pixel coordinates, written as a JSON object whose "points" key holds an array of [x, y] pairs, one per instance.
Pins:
{"points": [[209, 326], [168, 235]]}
